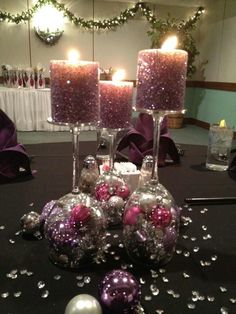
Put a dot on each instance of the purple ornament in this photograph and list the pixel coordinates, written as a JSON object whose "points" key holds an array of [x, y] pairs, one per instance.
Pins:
{"points": [[131, 215], [80, 214], [161, 216], [170, 239], [119, 292], [46, 211]]}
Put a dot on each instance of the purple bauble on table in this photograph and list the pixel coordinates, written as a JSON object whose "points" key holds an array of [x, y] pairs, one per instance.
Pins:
{"points": [[74, 91], [119, 292], [116, 104], [161, 79]]}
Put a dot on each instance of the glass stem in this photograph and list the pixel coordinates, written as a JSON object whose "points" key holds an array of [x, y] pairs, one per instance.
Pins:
{"points": [[157, 119], [75, 154], [112, 137]]}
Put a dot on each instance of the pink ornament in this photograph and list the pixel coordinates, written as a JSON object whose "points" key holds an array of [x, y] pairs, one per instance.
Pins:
{"points": [[80, 214], [161, 216], [131, 215], [123, 191], [102, 192]]}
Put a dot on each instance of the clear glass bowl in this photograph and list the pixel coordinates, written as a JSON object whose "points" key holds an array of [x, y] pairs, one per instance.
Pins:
{"points": [[151, 225]]}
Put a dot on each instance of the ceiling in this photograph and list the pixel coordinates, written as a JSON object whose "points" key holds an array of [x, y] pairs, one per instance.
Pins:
{"points": [[185, 3]]}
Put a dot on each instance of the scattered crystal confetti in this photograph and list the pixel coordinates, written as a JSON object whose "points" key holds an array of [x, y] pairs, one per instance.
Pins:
{"points": [[207, 237], [176, 295], [223, 289], [210, 298], [108, 234], [148, 298], [124, 266], [31, 204], [45, 294], [186, 254], [185, 236], [29, 273], [79, 277], [190, 209], [214, 258], [204, 227], [4, 295], [186, 275], [57, 277], [164, 279], [87, 279], [80, 284], [17, 294], [18, 233], [162, 270], [196, 249], [12, 241], [171, 292], [178, 251], [2, 227], [154, 289], [23, 271], [232, 300], [116, 257], [224, 310], [204, 210], [115, 236], [154, 274], [41, 284], [191, 306], [159, 311], [121, 245], [142, 281], [193, 239]]}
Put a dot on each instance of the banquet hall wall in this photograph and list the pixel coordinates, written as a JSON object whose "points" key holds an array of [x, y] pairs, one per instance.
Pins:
{"points": [[215, 36]]}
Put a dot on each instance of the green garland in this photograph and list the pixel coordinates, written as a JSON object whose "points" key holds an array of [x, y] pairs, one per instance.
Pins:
{"points": [[124, 16], [159, 28]]}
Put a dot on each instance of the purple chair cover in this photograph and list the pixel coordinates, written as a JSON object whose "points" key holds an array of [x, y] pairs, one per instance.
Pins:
{"points": [[14, 161], [139, 140]]}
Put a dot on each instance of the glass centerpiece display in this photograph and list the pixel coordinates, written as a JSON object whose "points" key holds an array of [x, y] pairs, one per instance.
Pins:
{"points": [[151, 216], [115, 115], [74, 225]]}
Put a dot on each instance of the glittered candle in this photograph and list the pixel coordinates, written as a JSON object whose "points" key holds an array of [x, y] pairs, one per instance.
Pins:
{"points": [[161, 79], [74, 91], [115, 104]]}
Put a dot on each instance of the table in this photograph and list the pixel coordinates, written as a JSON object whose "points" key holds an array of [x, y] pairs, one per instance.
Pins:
{"points": [[28, 108], [201, 277]]}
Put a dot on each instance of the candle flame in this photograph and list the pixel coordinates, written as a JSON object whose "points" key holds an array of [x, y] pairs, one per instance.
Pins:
{"points": [[73, 55], [170, 43], [222, 124], [119, 75]]}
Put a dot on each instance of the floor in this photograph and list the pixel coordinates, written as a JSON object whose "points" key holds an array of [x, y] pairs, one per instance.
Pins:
{"points": [[189, 134]]}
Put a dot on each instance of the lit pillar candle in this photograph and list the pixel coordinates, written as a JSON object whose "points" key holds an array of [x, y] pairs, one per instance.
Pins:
{"points": [[115, 103], [74, 91], [161, 79]]}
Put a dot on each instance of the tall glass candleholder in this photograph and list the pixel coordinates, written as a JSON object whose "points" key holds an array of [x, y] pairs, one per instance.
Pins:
{"points": [[151, 216], [74, 225], [115, 116]]}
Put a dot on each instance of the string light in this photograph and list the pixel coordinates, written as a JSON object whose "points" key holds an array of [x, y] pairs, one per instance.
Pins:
{"points": [[119, 20]]}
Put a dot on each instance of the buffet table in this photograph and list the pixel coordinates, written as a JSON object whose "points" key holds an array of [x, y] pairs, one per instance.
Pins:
{"points": [[201, 277], [28, 108]]}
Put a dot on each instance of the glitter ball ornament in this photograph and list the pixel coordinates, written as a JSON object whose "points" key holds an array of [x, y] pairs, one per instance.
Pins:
{"points": [[89, 175], [112, 191], [30, 223], [75, 231], [151, 224], [119, 292]]}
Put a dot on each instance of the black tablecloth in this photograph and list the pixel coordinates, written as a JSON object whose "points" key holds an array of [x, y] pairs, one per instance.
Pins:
{"points": [[201, 277]]}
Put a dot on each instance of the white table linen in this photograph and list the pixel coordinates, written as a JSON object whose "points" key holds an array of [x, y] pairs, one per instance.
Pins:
{"points": [[29, 109]]}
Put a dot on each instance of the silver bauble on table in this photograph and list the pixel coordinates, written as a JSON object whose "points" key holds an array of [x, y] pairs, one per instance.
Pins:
{"points": [[83, 304]]}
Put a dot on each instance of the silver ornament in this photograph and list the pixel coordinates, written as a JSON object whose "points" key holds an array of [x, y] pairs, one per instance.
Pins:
{"points": [[89, 174], [116, 202], [83, 304], [30, 223]]}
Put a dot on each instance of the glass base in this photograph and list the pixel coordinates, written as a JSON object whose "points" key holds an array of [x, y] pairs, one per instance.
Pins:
{"points": [[216, 167], [75, 231], [151, 225]]}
